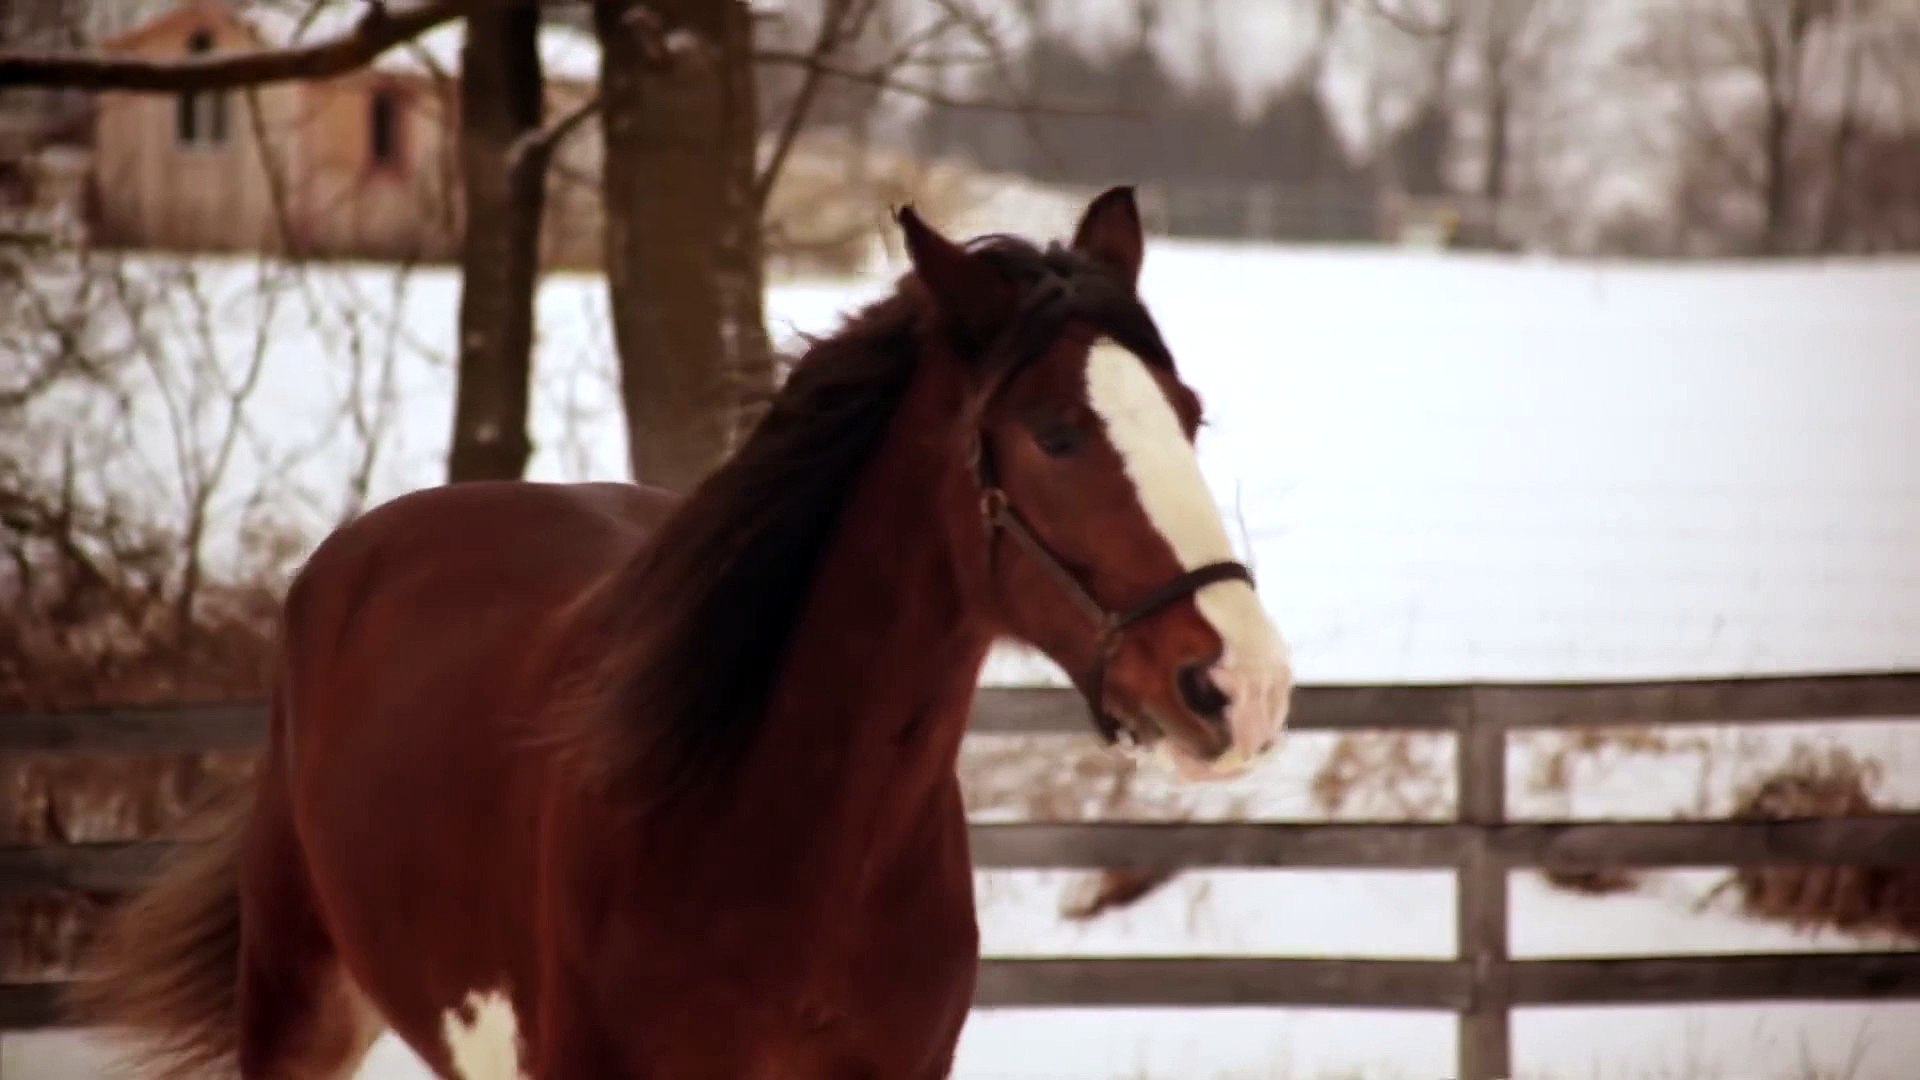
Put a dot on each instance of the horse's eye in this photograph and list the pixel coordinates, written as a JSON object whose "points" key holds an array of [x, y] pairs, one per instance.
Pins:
{"points": [[1059, 440]]}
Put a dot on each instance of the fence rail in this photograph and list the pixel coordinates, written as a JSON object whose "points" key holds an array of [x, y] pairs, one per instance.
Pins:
{"points": [[1482, 984], [1024, 710]]}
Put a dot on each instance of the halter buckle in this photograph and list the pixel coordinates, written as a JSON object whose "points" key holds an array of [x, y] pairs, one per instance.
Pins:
{"points": [[993, 503]]}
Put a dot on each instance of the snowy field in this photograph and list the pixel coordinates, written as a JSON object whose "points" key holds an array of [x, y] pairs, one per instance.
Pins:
{"points": [[1447, 467]]}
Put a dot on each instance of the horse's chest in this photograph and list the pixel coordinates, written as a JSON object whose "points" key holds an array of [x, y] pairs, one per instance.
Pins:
{"points": [[911, 975], [919, 956], [864, 973]]}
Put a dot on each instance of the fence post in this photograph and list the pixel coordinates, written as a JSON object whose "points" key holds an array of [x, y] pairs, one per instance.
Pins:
{"points": [[1486, 1045]]}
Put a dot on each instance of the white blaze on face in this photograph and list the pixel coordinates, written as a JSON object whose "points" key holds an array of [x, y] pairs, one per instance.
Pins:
{"points": [[1254, 671], [483, 1038]]}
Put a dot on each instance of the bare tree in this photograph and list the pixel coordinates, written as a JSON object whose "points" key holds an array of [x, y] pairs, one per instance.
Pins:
{"points": [[1777, 34], [1831, 228], [503, 195], [1756, 80], [682, 233], [1501, 27], [685, 188], [688, 184], [504, 153], [1490, 63]]}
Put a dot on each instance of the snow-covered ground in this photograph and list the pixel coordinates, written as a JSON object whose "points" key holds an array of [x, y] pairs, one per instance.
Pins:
{"points": [[1448, 467]]}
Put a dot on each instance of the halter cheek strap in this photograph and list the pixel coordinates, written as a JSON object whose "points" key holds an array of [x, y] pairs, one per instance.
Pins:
{"points": [[999, 515]]}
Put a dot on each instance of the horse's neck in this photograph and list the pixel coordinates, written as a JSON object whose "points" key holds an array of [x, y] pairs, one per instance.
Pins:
{"points": [[867, 715]]}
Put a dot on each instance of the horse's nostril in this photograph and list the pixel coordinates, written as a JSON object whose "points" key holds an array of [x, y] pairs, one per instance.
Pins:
{"points": [[1198, 691]]}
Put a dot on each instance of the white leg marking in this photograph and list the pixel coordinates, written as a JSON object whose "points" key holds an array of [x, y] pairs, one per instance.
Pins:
{"points": [[1255, 672], [483, 1037]]}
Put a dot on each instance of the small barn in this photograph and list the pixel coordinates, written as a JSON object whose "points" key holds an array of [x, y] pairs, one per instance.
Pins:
{"points": [[363, 165]]}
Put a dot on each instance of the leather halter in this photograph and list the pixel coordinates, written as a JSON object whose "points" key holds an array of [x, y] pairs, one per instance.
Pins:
{"points": [[1049, 303]]}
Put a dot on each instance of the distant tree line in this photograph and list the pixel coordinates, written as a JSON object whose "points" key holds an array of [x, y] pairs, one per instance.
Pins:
{"points": [[1670, 128]]}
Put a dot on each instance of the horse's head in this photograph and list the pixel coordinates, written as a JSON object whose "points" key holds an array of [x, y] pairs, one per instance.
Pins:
{"points": [[1098, 538]]}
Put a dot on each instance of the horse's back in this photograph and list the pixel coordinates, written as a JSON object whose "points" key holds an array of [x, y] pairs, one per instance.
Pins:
{"points": [[551, 533], [442, 592], [484, 552], [418, 643]]}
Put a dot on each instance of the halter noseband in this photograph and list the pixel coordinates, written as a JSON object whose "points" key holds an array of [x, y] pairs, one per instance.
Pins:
{"points": [[1047, 306]]}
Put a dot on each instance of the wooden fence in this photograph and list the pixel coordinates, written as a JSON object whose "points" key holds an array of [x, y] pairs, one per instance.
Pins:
{"points": [[1482, 984]]}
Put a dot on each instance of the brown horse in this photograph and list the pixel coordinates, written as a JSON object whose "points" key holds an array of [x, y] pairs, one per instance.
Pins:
{"points": [[587, 781]]}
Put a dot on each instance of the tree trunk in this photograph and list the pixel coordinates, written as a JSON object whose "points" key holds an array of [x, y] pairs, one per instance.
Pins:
{"points": [[1498, 156], [1833, 212], [682, 230], [1774, 202], [500, 104], [1781, 51]]}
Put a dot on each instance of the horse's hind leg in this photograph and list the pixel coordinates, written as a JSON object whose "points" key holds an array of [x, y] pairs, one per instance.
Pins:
{"points": [[301, 1015]]}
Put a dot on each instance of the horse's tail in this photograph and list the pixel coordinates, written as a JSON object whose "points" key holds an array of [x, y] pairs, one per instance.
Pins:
{"points": [[163, 973]]}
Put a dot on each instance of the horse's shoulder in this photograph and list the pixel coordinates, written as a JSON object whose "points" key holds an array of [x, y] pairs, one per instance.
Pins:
{"points": [[634, 504]]}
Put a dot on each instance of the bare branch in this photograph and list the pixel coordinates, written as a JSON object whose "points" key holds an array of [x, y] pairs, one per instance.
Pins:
{"points": [[835, 22], [538, 146], [535, 149], [1443, 26], [885, 81], [1009, 71], [376, 31], [291, 240]]}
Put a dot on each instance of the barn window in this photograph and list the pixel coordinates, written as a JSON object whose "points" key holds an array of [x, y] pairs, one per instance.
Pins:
{"points": [[383, 129], [200, 117]]}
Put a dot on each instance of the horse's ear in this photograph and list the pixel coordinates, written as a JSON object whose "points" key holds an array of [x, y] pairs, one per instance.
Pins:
{"points": [[966, 289], [1110, 233]]}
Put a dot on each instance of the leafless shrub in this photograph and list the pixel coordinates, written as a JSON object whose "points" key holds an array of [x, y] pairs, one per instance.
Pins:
{"points": [[1384, 774], [1553, 772], [1051, 778], [1600, 881], [147, 521], [1830, 783], [1111, 890]]}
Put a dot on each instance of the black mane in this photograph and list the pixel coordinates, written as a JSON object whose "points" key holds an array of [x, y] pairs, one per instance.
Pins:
{"points": [[702, 617]]}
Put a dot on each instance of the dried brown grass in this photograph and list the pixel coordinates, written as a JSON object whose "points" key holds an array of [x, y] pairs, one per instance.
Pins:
{"points": [[1393, 774], [113, 659], [94, 621], [115, 591], [1814, 783], [1553, 773]]}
